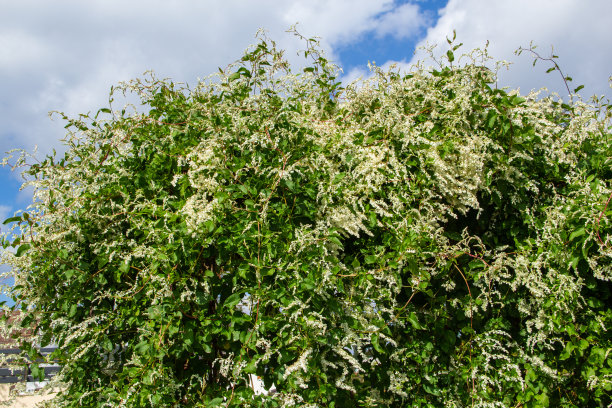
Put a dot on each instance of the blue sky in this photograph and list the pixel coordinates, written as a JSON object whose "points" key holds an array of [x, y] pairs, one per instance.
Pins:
{"points": [[65, 55]]}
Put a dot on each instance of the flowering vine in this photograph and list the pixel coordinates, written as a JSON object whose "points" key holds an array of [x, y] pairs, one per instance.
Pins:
{"points": [[419, 239]]}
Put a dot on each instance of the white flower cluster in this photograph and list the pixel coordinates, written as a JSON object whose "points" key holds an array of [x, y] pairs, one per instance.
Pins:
{"points": [[347, 221], [299, 364]]}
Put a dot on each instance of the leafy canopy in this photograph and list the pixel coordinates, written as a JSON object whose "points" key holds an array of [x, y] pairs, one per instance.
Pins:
{"points": [[420, 239]]}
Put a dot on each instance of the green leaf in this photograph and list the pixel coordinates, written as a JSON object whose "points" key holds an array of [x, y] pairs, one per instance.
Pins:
{"points": [[38, 373], [577, 233], [375, 343], [578, 88], [147, 379], [232, 301], [73, 310], [243, 188], [124, 267], [251, 367], [492, 119], [335, 240], [370, 259], [142, 347], [215, 402], [598, 356], [107, 344], [11, 219], [450, 55], [574, 262], [542, 400], [414, 321], [567, 351], [290, 185], [22, 248], [244, 72]]}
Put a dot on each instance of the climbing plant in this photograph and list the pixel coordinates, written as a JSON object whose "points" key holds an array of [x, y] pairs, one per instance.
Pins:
{"points": [[416, 239]]}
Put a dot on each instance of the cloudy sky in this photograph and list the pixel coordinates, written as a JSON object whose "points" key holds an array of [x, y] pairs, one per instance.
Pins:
{"points": [[65, 54]]}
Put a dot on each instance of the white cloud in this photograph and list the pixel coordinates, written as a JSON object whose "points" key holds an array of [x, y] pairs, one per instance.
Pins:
{"points": [[339, 21], [19, 50], [579, 31], [405, 21], [66, 54]]}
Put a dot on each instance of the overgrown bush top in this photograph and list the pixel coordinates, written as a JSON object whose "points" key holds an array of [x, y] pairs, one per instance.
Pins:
{"points": [[420, 239]]}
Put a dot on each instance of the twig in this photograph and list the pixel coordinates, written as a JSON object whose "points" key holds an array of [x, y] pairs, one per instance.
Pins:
{"points": [[551, 59]]}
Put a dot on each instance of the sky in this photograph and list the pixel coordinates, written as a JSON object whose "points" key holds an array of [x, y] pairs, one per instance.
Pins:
{"points": [[65, 55]]}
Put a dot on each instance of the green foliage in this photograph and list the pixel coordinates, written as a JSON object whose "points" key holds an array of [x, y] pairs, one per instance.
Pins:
{"points": [[417, 240]]}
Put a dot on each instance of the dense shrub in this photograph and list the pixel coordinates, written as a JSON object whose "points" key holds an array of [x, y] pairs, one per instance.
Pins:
{"points": [[420, 239]]}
